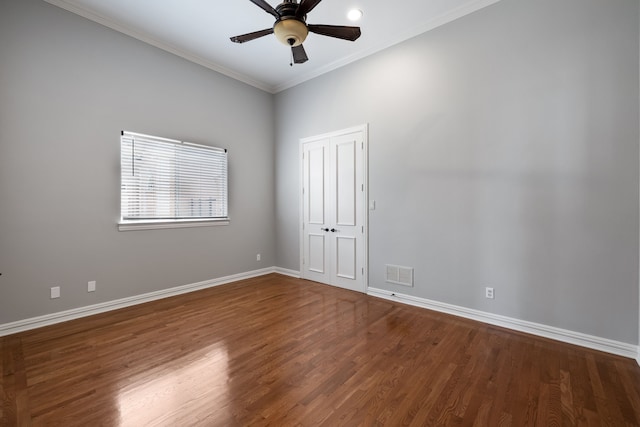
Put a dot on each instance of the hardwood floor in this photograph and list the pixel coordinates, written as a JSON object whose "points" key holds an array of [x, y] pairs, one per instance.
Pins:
{"points": [[281, 351]]}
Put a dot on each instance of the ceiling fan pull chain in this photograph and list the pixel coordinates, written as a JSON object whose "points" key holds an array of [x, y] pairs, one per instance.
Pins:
{"points": [[291, 63]]}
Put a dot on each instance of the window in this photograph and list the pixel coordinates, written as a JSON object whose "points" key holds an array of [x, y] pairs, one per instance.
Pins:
{"points": [[167, 183]]}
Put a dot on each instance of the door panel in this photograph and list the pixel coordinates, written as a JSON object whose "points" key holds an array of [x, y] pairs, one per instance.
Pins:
{"points": [[315, 210], [317, 253], [345, 172], [316, 182], [346, 258], [347, 212]]}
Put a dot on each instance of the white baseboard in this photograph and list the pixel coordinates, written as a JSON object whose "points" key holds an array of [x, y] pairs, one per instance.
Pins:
{"points": [[287, 272], [584, 340], [563, 335], [76, 313]]}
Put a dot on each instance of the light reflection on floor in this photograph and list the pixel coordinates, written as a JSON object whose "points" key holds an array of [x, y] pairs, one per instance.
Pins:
{"points": [[169, 395]]}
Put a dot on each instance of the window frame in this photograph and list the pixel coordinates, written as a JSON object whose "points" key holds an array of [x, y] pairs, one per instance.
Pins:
{"points": [[166, 223]]}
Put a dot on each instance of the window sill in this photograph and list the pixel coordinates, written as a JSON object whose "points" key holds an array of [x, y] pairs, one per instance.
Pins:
{"points": [[154, 225]]}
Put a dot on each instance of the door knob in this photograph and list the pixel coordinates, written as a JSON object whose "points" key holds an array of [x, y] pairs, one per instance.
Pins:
{"points": [[333, 230], [324, 229]]}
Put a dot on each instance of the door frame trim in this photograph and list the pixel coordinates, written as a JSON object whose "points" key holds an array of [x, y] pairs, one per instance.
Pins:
{"points": [[364, 128]]}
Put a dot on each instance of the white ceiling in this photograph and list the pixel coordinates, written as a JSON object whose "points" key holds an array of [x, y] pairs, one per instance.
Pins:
{"points": [[199, 30]]}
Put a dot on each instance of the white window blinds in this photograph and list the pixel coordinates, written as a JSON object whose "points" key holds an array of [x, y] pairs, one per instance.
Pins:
{"points": [[168, 180]]}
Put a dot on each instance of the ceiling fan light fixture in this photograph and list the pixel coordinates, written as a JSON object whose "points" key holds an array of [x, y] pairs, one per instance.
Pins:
{"points": [[291, 32]]}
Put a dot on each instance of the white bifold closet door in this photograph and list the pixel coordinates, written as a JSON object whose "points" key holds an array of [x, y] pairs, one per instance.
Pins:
{"points": [[333, 209]]}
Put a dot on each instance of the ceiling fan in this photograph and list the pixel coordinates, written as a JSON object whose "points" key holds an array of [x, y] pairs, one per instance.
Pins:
{"points": [[291, 27]]}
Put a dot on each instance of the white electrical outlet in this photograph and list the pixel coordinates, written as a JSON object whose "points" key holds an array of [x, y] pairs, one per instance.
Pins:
{"points": [[258, 257], [55, 292], [91, 286], [489, 293]]}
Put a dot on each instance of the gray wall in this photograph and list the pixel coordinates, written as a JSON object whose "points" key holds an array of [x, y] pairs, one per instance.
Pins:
{"points": [[503, 152], [68, 87]]}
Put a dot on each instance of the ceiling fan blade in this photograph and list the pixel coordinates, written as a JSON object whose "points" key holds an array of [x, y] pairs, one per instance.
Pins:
{"points": [[299, 55], [337, 31], [266, 7], [306, 6], [251, 36]]}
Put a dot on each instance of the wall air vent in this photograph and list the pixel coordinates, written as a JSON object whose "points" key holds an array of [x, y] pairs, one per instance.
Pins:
{"points": [[399, 275]]}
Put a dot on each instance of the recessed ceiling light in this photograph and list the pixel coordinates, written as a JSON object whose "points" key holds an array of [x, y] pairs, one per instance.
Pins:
{"points": [[354, 14]]}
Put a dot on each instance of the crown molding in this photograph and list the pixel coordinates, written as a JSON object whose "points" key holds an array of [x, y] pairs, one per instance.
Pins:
{"points": [[146, 38], [401, 37]]}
